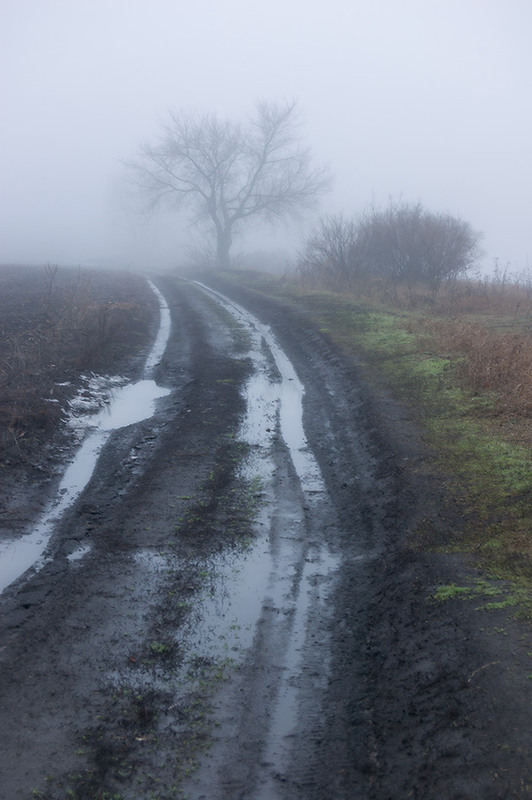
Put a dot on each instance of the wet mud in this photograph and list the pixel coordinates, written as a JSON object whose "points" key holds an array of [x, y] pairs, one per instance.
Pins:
{"points": [[228, 608]]}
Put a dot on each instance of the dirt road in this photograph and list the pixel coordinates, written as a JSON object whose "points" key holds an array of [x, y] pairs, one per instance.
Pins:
{"points": [[229, 608]]}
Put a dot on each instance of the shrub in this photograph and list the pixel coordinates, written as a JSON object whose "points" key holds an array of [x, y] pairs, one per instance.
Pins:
{"points": [[404, 244]]}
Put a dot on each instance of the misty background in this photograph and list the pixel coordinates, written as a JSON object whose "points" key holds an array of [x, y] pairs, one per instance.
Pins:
{"points": [[418, 100]]}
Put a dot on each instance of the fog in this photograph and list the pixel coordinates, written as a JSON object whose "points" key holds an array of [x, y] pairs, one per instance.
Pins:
{"points": [[412, 100]]}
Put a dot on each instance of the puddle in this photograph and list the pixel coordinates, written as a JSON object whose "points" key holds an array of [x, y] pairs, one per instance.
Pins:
{"points": [[78, 554], [116, 407], [283, 720], [95, 394], [284, 397], [260, 586], [225, 616], [129, 404], [161, 340], [277, 581]]}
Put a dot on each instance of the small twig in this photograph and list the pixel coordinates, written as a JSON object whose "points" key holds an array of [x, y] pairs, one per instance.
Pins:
{"points": [[21, 454], [491, 664]]}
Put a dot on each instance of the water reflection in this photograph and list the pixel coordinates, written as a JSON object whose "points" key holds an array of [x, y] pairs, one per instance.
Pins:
{"points": [[284, 395]]}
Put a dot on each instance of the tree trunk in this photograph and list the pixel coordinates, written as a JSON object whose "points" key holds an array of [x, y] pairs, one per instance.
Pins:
{"points": [[224, 241]]}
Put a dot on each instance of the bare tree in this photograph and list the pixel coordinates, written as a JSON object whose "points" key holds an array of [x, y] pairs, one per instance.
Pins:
{"points": [[227, 174]]}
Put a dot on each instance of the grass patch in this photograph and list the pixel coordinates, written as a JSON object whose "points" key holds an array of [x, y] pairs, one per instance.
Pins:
{"points": [[494, 595]]}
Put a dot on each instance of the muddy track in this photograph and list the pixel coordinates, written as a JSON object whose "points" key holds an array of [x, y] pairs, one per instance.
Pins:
{"points": [[238, 631]]}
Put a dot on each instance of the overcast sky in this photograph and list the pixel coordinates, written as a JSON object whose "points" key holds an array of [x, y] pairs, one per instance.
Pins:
{"points": [[427, 100]]}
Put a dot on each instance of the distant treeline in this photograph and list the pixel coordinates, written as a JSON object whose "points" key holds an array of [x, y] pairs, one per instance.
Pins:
{"points": [[402, 244]]}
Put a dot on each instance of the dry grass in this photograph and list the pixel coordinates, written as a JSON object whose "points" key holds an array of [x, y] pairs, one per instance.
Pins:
{"points": [[483, 325], [54, 325], [485, 328], [492, 297], [498, 363], [500, 294]]}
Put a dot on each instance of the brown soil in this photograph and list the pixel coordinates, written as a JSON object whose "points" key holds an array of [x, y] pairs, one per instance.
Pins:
{"points": [[398, 696]]}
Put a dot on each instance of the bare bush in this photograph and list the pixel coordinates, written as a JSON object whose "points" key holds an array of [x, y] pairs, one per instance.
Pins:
{"points": [[403, 245], [408, 244], [328, 257]]}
